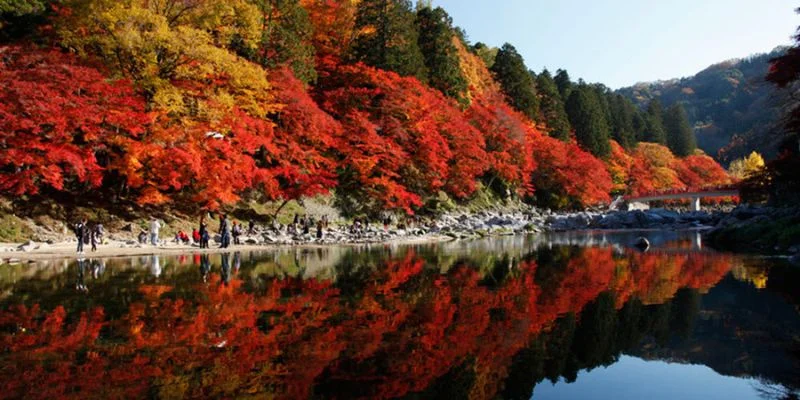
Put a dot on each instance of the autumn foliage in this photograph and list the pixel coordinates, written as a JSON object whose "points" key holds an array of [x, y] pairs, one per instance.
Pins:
{"points": [[404, 141], [56, 118], [652, 168], [170, 106], [562, 171], [509, 140]]}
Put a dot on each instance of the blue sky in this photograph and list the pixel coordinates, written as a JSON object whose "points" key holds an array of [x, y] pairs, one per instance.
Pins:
{"points": [[621, 42], [633, 378]]}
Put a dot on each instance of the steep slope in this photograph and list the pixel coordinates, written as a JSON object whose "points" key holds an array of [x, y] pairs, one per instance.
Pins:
{"points": [[734, 110], [205, 107]]}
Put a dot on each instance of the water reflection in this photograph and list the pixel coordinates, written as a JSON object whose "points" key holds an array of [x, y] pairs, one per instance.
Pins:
{"points": [[225, 269], [80, 285], [205, 266], [479, 319]]}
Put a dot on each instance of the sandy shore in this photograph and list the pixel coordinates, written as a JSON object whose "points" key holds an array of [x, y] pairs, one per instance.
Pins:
{"points": [[120, 249]]}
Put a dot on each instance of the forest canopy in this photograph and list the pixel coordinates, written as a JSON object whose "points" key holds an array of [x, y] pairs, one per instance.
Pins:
{"points": [[202, 104]]}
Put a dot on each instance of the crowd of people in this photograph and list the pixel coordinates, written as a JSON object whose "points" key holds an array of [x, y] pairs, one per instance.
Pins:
{"points": [[230, 232]]}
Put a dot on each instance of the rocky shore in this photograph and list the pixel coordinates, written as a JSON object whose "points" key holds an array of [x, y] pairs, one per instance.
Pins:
{"points": [[759, 229], [445, 227], [656, 218], [452, 226], [732, 230]]}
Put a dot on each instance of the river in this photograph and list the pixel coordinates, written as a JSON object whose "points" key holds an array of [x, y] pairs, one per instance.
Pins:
{"points": [[564, 316]]}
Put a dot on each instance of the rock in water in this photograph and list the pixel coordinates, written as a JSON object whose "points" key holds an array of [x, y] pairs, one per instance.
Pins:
{"points": [[642, 243]]}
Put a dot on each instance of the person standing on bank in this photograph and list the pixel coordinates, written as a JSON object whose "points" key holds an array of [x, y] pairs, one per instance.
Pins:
{"points": [[96, 236], [203, 231], [155, 226], [80, 232], [236, 231], [224, 231]]}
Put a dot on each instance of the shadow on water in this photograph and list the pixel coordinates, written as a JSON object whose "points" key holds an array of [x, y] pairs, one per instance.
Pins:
{"points": [[474, 319]]}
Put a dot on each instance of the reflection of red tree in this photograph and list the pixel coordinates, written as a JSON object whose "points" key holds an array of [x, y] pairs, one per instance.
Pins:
{"points": [[659, 276], [407, 327], [587, 275]]}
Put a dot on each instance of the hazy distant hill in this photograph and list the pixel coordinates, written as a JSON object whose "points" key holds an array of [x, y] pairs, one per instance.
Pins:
{"points": [[727, 100]]}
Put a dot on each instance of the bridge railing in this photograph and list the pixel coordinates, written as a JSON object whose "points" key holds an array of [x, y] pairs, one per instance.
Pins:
{"points": [[687, 190]]}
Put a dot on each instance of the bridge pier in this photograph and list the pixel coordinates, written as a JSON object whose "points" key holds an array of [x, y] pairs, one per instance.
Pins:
{"points": [[695, 206]]}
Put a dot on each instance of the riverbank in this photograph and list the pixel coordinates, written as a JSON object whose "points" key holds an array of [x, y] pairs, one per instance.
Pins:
{"points": [[116, 248], [759, 229], [743, 229], [450, 226], [444, 228]]}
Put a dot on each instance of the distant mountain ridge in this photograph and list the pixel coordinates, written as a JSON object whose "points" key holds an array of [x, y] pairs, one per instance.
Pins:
{"points": [[731, 106]]}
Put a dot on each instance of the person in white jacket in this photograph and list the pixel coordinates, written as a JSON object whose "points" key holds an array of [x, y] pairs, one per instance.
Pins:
{"points": [[155, 226]]}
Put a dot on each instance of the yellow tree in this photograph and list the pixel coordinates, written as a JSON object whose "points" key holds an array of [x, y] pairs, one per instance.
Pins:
{"points": [[175, 51], [745, 167]]}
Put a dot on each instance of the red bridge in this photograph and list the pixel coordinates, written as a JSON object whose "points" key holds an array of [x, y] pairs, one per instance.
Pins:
{"points": [[694, 194]]}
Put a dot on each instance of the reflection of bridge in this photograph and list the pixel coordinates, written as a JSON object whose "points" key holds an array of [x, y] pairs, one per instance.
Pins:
{"points": [[692, 194]]}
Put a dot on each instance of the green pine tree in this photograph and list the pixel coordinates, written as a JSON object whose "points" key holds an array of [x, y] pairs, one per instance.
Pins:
{"points": [[639, 123], [515, 79], [563, 83], [654, 121], [680, 136], [622, 115], [388, 38], [285, 38], [436, 35], [587, 118], [551, 106], [603, 95], [21, 18], [486, 53]]}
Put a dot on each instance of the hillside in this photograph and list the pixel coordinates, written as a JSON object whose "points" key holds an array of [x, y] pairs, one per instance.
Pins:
{"points": [[733, 109], [214, 105]]}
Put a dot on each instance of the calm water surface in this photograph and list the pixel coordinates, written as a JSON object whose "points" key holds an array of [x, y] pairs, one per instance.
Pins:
{"points": [[574, 316]]}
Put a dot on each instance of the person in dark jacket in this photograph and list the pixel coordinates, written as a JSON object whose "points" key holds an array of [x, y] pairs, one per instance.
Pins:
{"points": [[203, 231], [251, 228], [224, 231], [80, 231]]}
